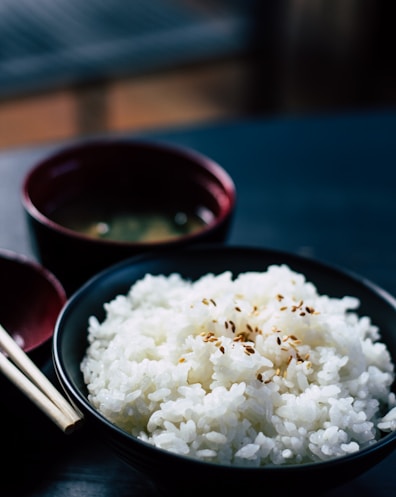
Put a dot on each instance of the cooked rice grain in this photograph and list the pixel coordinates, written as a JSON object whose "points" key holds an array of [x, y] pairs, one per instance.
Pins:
{"points": [[253, 370]]}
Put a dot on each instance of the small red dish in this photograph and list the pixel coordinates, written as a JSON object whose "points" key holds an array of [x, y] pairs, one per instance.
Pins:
{"points": [[31, 299]]}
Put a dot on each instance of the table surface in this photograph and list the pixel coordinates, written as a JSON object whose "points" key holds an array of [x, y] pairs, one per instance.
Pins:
{"points": [[322, 186]]}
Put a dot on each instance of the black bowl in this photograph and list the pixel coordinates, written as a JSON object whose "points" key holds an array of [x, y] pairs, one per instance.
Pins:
{"points": [[176, 475]]}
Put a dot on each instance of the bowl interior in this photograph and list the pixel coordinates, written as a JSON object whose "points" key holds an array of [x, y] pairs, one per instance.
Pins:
{"points": [[31, 299], [97, 180]]}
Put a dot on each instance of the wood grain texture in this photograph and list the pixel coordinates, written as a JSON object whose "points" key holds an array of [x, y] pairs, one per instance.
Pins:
{"points": [[184, 95]]}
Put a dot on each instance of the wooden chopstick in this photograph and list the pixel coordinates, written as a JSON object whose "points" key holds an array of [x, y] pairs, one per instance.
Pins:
{"points": [[22, 371]]}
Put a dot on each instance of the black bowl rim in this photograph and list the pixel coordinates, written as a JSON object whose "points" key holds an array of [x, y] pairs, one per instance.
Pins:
{"points": [[204, 161], [386, 443]]}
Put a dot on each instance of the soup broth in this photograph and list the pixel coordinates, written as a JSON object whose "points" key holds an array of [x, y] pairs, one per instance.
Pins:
{"points": [[123, 224]]}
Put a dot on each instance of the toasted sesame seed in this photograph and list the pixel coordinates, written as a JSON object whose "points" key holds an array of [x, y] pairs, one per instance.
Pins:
{"points": [[241, 337], [296, 307]]}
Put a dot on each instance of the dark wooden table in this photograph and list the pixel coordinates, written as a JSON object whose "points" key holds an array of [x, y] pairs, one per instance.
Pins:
{"points": [[321, 186]]}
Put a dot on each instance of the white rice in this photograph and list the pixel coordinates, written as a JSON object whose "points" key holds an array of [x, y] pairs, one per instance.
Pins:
{"points": [[254, 370]]}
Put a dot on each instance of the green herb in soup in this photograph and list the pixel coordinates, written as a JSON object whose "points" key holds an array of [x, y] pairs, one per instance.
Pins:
{"points": [[124, 225]]}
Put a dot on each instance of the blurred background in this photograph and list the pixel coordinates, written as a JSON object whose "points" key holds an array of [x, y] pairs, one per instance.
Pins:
{"points": [[73, 68]]}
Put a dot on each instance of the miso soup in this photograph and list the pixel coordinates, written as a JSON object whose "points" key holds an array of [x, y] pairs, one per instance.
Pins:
{"points": [[122, 224]]}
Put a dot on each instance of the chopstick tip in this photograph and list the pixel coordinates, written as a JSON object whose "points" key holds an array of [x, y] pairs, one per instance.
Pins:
{"points": [[74, 426]]}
